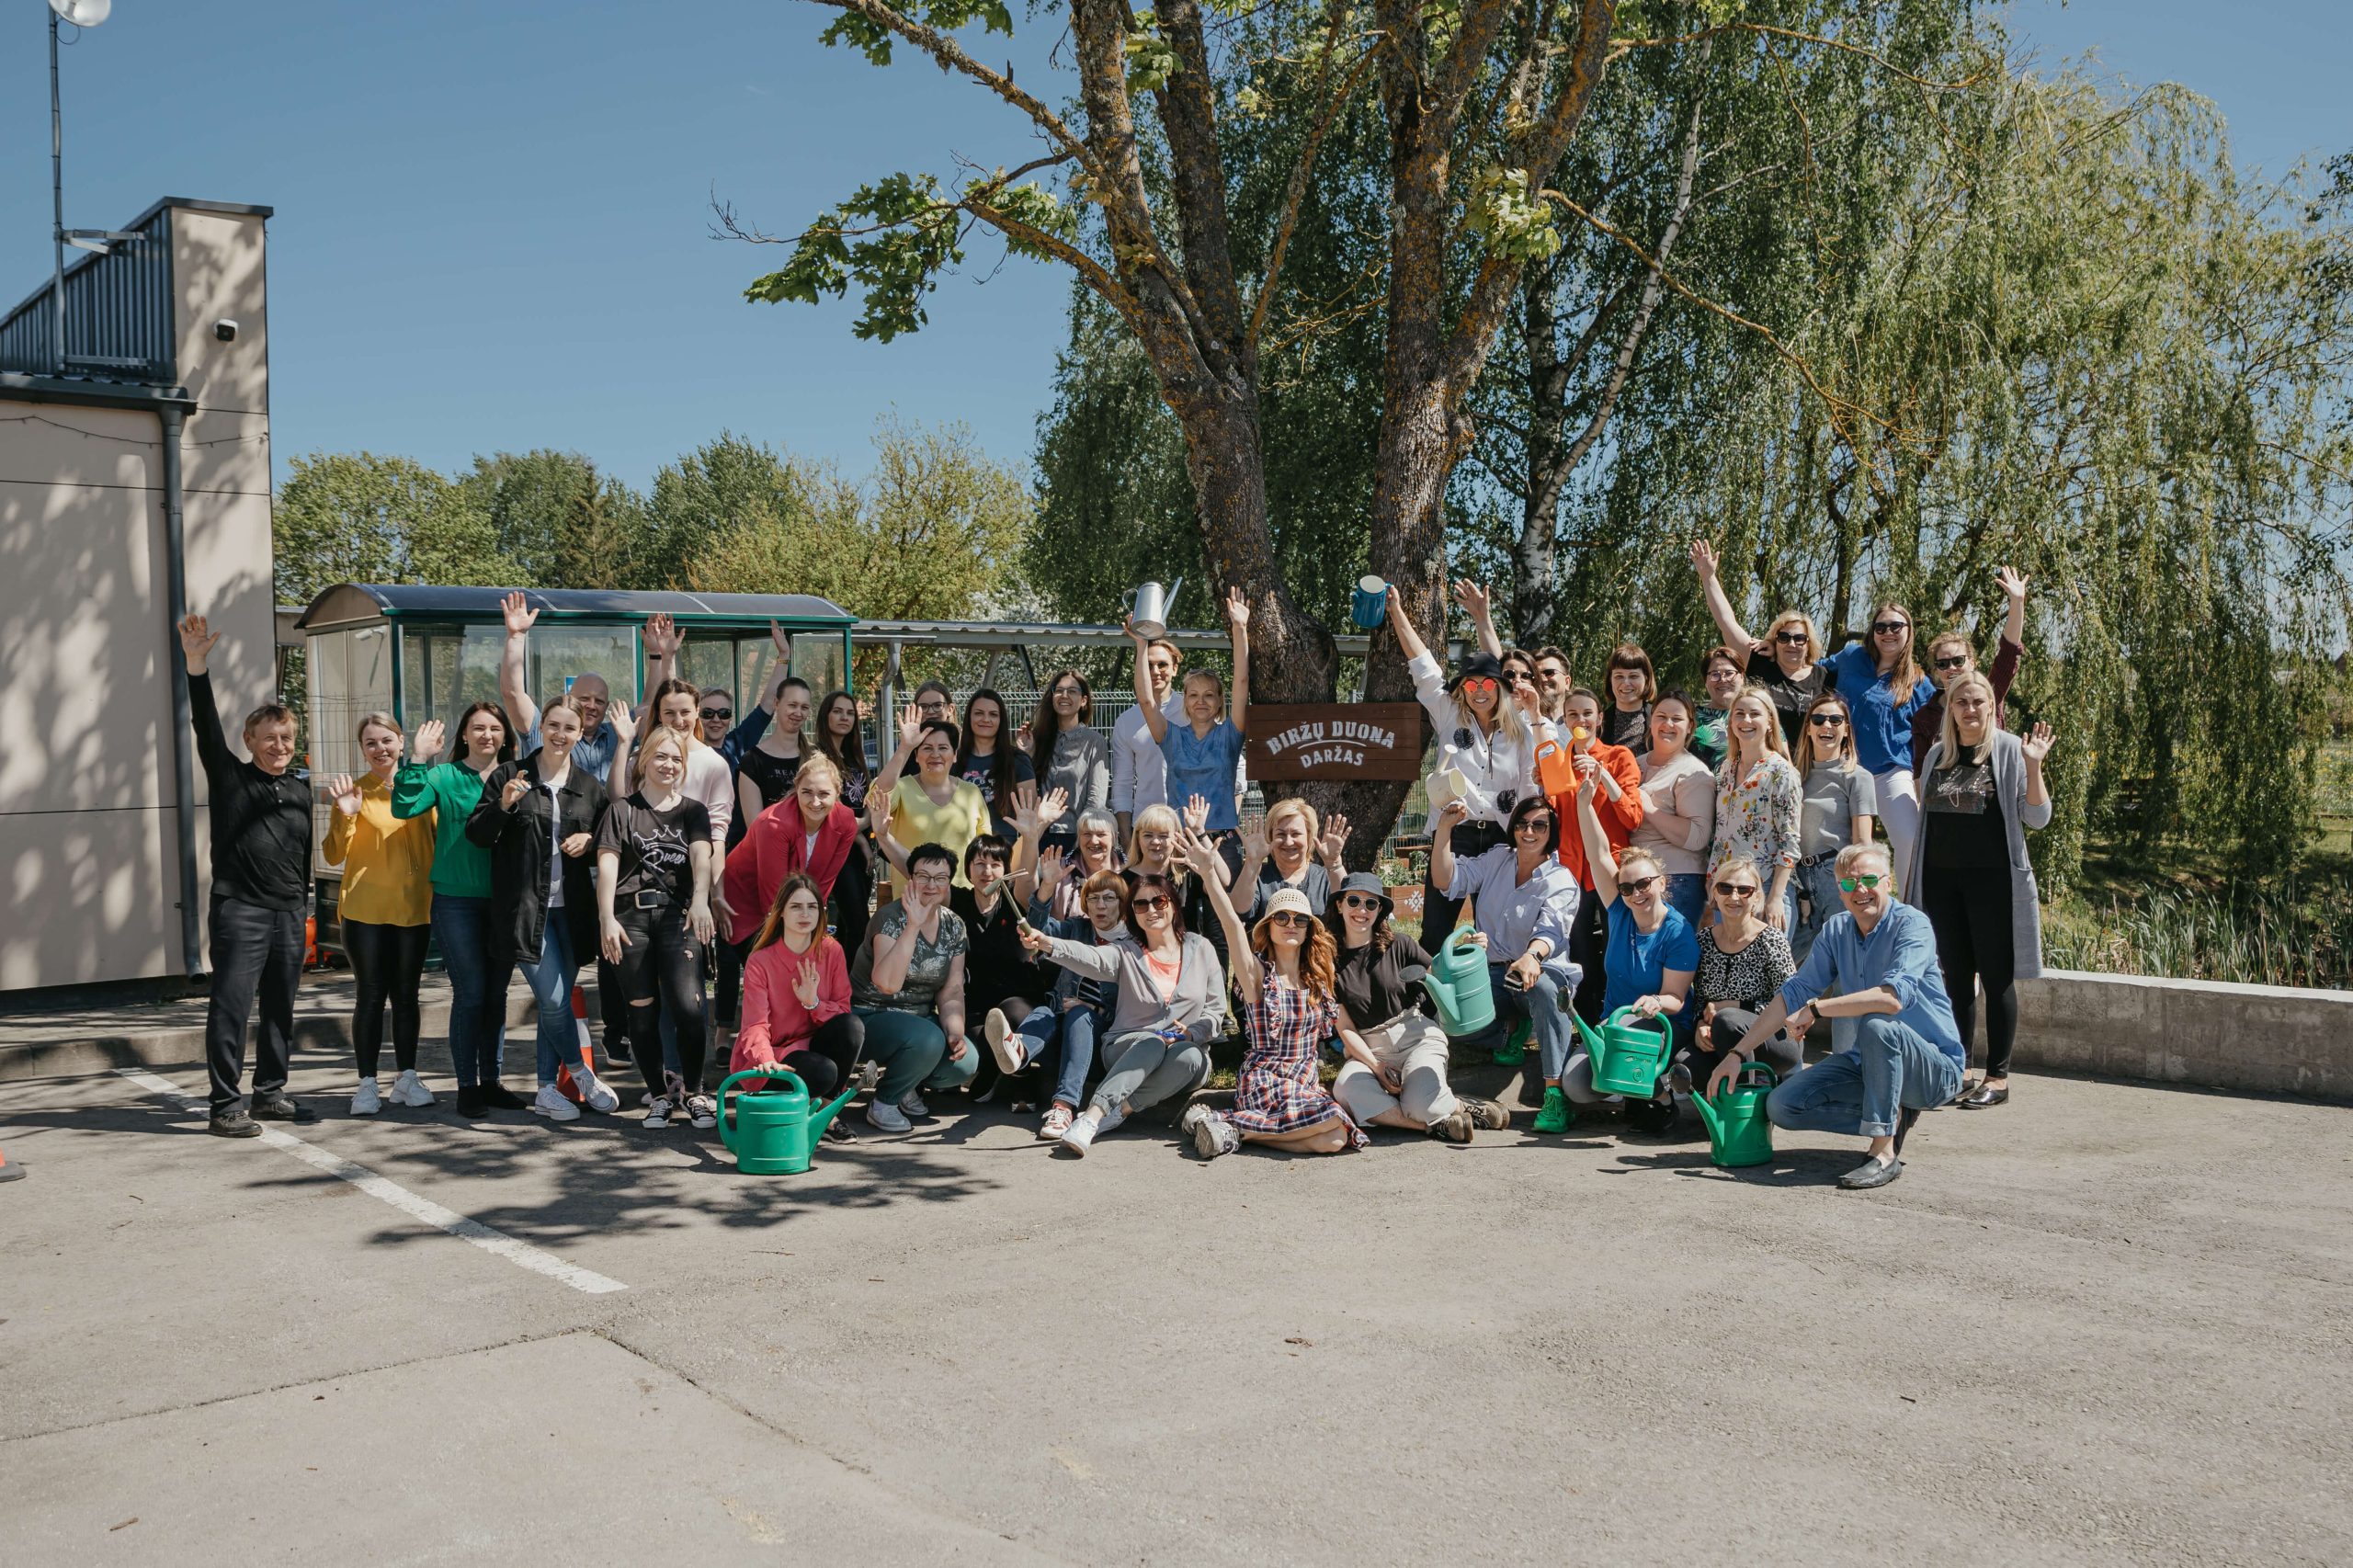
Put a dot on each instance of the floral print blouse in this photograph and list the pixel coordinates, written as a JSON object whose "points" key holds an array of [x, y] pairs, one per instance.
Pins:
{"points": [[1756, 816]]}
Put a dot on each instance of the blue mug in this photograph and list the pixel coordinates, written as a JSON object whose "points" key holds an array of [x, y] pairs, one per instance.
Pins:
{"points": [[1371, 606]]}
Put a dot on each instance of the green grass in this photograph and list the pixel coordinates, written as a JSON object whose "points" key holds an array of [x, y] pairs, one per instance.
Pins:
{"points": [[2182, 918]]}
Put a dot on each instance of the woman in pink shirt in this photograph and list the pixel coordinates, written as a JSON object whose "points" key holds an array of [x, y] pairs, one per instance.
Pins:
{"points": [[795, 997]]}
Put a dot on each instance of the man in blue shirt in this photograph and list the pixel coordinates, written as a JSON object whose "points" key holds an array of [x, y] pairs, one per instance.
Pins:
{"points": [[1880, 956]]}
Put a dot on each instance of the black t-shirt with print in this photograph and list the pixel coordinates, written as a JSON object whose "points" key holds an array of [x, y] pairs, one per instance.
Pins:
{"points": [[653, 847], [1962, 814], [1789, 696], [773, 774]]}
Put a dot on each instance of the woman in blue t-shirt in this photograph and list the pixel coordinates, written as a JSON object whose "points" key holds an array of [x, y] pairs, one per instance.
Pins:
{"points": [[1652, 955], [1203, 751], [1884, 686]]}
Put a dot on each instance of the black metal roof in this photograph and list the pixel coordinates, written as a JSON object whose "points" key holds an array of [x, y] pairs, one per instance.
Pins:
{"points": [[354, 602]]}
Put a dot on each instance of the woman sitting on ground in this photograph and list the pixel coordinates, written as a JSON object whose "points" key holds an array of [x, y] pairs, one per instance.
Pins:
{"points": [[1078, 1012], [1744, 964], [1003, 984], [1400, 1079], [1171, 1005], [907, 984], [795, 997], [1278, 853], [1650, 959]]}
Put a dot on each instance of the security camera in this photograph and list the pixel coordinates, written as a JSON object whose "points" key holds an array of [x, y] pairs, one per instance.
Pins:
{"points": [[225, 330]]}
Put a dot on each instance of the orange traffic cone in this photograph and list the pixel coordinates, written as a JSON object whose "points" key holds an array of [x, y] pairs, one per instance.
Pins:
{"points": [[9, 1172]]}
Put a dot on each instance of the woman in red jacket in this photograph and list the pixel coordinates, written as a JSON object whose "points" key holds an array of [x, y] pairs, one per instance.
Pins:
{"points": [[795, 997], [1618, 803], [809, 832]]}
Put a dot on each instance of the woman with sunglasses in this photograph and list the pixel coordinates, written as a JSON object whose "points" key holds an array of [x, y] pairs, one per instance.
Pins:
{"points": [[1484, 736], [1170, 990], [1678, 806], [1969, 871], [1787, 663], [1884, 688], [1743, 963], [1067, 752], [796, 998], [1634, 687], [1282, 972], [1757, 804], [1837, 804], [1524, 902], [1950, 656], [1399, 1078], [1651, 956]]}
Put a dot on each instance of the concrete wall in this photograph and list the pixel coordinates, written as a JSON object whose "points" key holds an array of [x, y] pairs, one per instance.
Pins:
{"points": [[2210, 1034], [88, 847]]}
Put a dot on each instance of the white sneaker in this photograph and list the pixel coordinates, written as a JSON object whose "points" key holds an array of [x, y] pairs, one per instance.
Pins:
{"points": [[910, 1106], [1080, 1134], [365, 1100], [701, 1111], [657, 1115], [1001, 1046], [885, 1118], [1212, 1135], [595, 1092], [550, 1102], [408, 1089]]}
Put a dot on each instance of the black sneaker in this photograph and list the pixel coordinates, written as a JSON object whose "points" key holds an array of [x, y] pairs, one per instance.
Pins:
{"points": [[282, 1108], [470, 1104], [498, 1097], [232, 1123]]}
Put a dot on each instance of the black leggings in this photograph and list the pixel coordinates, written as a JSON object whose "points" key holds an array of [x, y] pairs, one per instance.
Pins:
{"points": [[824, 1063], [660, 952], [386, 961], [852, 899], [1971, 912], [1588, 947], [1781, 1053]]}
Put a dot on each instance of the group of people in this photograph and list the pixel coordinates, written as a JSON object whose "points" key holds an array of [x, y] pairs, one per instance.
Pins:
{"points": [[1092, 907]]}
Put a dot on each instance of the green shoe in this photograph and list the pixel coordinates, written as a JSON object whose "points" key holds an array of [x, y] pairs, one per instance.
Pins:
{"points": [[1508, 1054], [1556, 1116]]}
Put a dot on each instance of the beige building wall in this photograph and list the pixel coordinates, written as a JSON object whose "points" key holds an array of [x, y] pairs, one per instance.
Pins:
{"points": [[88, 844]]}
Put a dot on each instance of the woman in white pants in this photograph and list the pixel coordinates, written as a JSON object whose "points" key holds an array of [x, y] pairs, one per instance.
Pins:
{"points": [[1400, 1079]]}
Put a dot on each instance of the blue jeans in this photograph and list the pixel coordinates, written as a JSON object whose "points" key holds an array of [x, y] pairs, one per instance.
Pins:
{"points": [[477, 987], [1687, 894], [1079, 1029], [550, 983], [912, 1053], [1545, 1007], [1860, 1092]]}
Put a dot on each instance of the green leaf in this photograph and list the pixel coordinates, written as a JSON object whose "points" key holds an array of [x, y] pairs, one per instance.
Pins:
{"points": [[891, 240]]}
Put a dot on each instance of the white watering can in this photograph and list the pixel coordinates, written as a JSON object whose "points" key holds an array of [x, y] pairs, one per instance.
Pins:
{"points": [[1148, 608]]}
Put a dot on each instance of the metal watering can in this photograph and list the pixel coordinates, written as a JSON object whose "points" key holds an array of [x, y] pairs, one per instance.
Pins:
{"points": [[1457, 982], [1739, 1133], [773, 1132], [1148, 608], [1629, 1054]]}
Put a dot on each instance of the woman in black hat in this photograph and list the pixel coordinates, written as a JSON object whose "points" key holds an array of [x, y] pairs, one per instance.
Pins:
{"points": [[1398, 1078], [1484, 736]]}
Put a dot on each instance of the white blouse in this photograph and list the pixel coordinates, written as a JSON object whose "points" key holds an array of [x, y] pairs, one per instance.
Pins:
{"points": [[1500, 767]]}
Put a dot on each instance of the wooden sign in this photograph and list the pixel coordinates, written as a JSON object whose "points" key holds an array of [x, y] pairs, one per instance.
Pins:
{"points": [[1306, 741]]}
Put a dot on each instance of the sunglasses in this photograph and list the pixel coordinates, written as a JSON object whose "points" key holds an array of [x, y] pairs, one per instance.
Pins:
{"points": [[1867, 879], [1479, 685], [1147, 905], [719, 713], [1735, 889], [1888, 627], [1641, 884], [1290, 917], [1954, 663], [1360, 901], [1534, 824], [1795, 639], [1826, 721]]}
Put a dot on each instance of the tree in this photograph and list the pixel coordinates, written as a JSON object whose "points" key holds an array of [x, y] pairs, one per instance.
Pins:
{"points": [[359, 517]]}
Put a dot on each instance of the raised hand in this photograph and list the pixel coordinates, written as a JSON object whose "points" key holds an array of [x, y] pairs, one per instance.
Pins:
{"points": [[1052, 805], [1335, 837], [1703, 558], [1197, 814], [517, 611], [1052, 865], [1026, 737], [428, 740], [1025, 799], [1253, 840], [1128, 625], [2038, 744], [2012, 580], [516, 788], [661, 637], [344, 794], [1037, 941], [910, 724], [1237, 610], [783, 640], [1202, 854], [196, 641], [804, 984], [1475, 598], [624, 722], [1454, 814], [1586, 766]]}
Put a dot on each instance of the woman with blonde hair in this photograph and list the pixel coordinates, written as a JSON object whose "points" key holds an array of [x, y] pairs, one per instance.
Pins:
{"points": [[1283, 970], [1884, 686], [1969, 871], [1787, 663], [1279, 852], [653, 883], [1758, 801], [1838, 803], [386, 910]]}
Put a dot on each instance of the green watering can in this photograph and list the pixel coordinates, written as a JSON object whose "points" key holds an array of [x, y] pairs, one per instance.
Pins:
{"points": [[1629, 1054], [775, 1132], [1739, 1133], [1457, 982]]}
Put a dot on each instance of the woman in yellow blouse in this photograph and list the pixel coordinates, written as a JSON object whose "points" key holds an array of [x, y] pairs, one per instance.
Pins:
{"points": [[386, 910], [929, 806]]}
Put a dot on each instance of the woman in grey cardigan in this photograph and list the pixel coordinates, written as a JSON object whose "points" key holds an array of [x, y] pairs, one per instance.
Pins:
{"points": [[1171, 1005], [1982, 790]]}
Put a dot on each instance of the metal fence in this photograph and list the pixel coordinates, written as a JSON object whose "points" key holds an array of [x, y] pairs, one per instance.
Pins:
{"points": [[117, 315]]}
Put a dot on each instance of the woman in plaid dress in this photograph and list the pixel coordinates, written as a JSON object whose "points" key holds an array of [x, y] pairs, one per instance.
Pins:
{"points": [[1283, 970]]}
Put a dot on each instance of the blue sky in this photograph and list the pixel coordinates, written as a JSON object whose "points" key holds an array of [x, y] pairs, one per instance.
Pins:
{"points": [[491, 220]]}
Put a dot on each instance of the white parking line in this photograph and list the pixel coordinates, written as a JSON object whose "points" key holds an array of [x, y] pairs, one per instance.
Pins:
{"points": [[523, 1255]]}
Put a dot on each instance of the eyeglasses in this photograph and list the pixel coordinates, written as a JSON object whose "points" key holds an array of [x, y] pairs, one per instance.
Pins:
{"points": [[1290, 917], [1735, 889], [1867, 879], [1961, 661], [1641, 884], [719, 713], [932, 878], [1795, 639], [1358, 900], [1826, 721], [1479, 685], [1151, 904], [1887, 627]]}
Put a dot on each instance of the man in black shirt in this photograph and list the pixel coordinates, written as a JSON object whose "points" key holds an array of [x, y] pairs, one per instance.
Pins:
{"points": [[261, 876]]}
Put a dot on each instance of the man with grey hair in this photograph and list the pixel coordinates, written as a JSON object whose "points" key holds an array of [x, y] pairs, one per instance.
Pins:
{"points": [[1878, 957]]}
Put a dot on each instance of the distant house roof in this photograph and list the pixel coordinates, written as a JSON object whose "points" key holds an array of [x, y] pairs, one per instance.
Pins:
{"points": [[350, 603]]}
